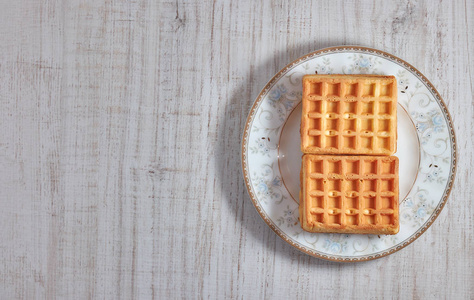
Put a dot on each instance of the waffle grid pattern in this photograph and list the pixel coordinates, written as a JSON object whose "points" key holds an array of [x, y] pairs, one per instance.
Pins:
{"points": [[352, 191], [349, 116]]}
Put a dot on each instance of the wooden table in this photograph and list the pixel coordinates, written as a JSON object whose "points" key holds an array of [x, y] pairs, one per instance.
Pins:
{"points": [[120, 148]]}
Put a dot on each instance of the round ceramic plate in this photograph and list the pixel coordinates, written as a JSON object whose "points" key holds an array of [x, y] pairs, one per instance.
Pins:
{"points": [[271, 156]]}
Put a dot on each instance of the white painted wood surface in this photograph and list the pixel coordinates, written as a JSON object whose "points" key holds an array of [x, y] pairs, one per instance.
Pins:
{"points": [[120, 160]]}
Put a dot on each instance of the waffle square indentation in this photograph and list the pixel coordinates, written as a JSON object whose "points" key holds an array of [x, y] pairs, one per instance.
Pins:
{"points": [[315, 141], [332, 107], [334, 219], [333, 89], [349, 125], [387, 202], [353, 185], [331, 124], [315, 106], [317, 185], [332, 142], [366, 142], [385, 108], [334, 167], [370, 166], [352, 219], [386, 185], [386, 90], [317, 166], [369, 219], [387, 219], [317, 201], [352, 203], [367, 125], [369, 202], [315, 89], [388, 167], [369, 185], [368, 90], [352, 167], [351, 89], [383, 142], [315, 123], [384, 125], [367, 107], [350, 107], [349, 142], [334, 202]]}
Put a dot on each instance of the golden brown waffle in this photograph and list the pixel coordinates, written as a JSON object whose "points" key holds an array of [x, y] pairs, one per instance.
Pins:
{"points": [[349, 114], [349, 194]]}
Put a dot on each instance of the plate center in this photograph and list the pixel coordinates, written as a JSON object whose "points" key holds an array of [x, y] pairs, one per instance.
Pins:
{"points": [[289, 152]]}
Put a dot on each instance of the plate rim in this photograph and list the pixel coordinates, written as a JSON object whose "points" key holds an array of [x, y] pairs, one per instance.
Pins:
{"points": [[449, 184]]}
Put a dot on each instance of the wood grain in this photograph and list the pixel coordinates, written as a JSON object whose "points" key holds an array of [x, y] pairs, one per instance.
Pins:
{"points": [[120, 150]]}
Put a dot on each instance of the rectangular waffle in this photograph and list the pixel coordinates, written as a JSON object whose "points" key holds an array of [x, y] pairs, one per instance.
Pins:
{"points": [[349, 194], [349, 114]]}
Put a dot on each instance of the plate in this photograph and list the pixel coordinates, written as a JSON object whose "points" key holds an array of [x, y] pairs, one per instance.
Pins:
{"points": [[271, 156]]}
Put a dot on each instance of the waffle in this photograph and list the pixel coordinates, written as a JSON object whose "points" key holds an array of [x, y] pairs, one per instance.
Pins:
{"points": [[349, 194], [349, 114]]}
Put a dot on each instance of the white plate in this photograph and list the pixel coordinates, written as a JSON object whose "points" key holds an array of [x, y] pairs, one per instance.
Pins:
{"points": [[271, 156]]}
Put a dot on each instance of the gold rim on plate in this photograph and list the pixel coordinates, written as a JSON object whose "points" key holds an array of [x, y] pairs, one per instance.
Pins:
{"points": [[342, 49]]}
